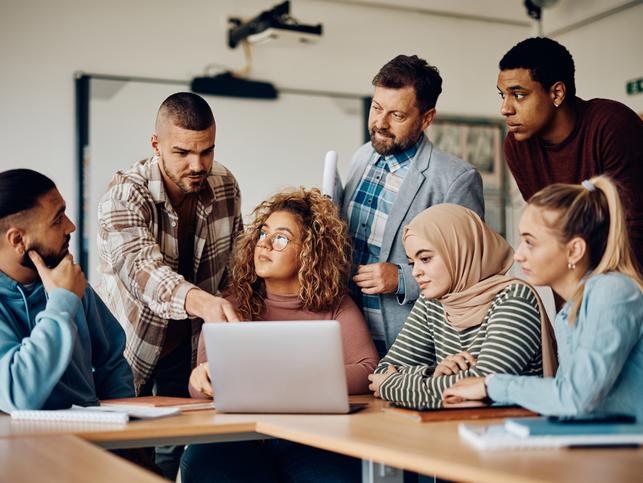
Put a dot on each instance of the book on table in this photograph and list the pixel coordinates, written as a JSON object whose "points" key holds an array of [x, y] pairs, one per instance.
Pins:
{"points": [[516, 434], [569, 427], [437, 410], [183, 403]]}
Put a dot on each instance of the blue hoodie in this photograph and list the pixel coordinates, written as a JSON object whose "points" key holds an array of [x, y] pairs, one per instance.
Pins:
{"points": [[58, 350]]}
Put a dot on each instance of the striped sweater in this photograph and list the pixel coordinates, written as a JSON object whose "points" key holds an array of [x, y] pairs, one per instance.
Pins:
{"points": [[506, 342]]}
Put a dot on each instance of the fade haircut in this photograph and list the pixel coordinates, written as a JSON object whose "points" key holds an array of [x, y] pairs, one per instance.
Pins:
{"points": [[404, 71], [187, 111], [20, 190], [547, 60]]}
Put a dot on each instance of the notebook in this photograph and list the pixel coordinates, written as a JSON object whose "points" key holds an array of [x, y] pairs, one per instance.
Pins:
{"points": [[95, 414], [441, 413], [183, 403], [497, 436], [547, 427]]}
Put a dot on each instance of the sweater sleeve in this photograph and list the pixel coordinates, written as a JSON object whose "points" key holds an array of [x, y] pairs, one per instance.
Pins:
{"points": [[200, 358], [30, 367], [414, 348], [512, 341], [360, 355], [609, 326]]}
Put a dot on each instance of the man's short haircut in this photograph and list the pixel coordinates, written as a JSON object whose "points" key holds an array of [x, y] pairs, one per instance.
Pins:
{"points": [[547, 60], [404, 71], [188, 111], [20, 190]]}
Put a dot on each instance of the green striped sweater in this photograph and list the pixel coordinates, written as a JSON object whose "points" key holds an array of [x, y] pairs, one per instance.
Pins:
{"points": [[506, 342]]}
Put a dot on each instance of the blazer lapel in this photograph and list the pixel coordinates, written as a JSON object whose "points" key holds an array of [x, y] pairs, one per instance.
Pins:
{"points": [[408, 191]]}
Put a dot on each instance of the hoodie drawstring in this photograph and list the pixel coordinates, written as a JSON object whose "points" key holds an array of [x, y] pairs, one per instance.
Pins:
{"points": [[24, 299]]}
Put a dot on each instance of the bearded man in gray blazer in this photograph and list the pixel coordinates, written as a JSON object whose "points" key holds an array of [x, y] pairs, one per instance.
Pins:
{"points": [[392, 179]]}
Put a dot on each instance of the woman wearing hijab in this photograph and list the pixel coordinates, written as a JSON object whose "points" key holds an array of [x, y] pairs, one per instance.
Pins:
{"points": [[470, 320]]}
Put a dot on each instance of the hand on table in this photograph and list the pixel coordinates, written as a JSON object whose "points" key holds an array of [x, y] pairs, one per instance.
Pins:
{"points": [[467, 389]]}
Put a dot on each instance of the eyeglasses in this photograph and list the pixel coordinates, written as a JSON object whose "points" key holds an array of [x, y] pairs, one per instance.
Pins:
{"points": [[277, 241]]}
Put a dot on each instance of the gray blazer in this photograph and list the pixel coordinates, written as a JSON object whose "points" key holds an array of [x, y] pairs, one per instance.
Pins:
{"points": [[434, 177]]}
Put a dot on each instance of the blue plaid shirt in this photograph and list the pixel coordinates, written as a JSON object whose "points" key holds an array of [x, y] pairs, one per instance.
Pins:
{"points": [[367, 214]]}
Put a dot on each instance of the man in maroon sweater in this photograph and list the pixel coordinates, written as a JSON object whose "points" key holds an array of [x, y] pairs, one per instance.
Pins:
{"points": [[556, 137]]}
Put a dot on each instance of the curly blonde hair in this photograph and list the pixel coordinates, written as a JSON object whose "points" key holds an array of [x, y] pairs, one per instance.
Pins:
{"points": [[325, 257]]}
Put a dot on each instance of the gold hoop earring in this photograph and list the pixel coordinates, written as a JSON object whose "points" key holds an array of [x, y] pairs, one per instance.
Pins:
{"points": [[571, 266]]}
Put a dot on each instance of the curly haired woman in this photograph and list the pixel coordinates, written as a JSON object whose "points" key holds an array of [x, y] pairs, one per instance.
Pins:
{"points": [[292, 263]]}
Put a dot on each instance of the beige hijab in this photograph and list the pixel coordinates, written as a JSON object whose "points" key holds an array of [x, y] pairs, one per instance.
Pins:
{"points": [[477, 259]]}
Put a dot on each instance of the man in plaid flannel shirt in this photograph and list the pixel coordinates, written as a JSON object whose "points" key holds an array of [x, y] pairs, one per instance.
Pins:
{"points": [[166, 230]]}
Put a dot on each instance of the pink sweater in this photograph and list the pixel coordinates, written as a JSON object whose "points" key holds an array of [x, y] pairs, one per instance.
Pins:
{"points": [[360, 356]]}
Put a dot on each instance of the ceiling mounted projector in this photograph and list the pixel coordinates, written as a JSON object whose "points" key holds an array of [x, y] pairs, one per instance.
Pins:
{"points": [[272, 24], [229, 85]]}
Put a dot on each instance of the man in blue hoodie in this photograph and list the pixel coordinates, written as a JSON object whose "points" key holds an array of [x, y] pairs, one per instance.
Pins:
{"points": [[59, 344]]}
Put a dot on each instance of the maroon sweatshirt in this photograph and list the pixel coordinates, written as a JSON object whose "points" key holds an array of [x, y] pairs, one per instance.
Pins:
{"points": [[607, 139]]}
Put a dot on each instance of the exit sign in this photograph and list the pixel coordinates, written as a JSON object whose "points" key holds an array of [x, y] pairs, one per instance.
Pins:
{"points": [[634, 86]]}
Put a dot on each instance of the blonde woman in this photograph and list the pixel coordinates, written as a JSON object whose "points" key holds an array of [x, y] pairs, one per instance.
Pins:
{"points": [[574, 240]]}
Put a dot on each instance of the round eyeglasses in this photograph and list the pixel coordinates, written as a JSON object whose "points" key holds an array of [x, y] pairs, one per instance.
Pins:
{"points": [[277, 241]]}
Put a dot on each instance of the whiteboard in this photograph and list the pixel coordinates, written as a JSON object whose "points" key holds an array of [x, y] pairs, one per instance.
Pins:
{"points": [[268, 145]]}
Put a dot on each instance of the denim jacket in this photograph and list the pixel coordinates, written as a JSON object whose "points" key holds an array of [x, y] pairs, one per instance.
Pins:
{"points": [[600, 357]]}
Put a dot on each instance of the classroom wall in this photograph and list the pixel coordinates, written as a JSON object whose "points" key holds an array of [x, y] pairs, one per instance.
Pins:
{"points": [[607, 53], [43, 43]]}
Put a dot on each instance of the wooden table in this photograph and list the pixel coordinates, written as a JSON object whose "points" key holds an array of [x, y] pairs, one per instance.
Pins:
{"points": [[65, 459], [372, 435]]}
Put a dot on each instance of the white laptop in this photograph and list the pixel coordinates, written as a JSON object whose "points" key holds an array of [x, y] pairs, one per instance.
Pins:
{"points": [[277, 367]]}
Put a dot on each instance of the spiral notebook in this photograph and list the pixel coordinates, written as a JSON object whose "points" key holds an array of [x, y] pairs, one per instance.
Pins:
{"points": [[95, 414]]}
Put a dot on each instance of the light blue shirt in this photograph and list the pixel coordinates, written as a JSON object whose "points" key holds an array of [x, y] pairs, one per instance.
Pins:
{"points": [[600, 357]]}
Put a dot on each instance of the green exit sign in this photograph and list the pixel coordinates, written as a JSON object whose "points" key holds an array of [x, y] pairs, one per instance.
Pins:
{"points": [[634, 86]]}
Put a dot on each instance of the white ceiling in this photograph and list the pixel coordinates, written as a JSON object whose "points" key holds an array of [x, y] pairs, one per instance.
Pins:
{"points": [[564, 14], [502, 10]]}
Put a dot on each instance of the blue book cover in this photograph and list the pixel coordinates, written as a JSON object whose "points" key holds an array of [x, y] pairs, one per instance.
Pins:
{"points": [[544, 427]]}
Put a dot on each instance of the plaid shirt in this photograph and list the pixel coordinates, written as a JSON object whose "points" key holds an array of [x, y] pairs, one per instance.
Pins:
{"points": [[139, 255], [368, 212]]}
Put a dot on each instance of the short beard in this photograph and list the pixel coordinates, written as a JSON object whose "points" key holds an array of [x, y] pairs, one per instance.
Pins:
{"points": [[51, 259], [181, 184], [396, 146]]}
